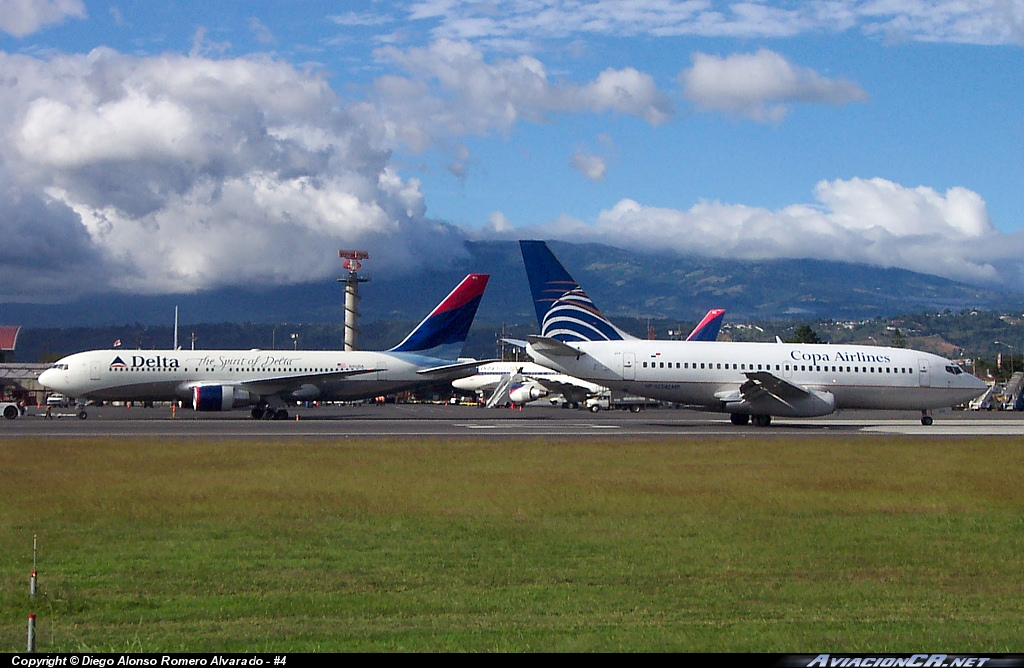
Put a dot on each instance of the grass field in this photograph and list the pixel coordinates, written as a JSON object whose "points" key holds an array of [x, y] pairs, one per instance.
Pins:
{"points": [[752, 544]]}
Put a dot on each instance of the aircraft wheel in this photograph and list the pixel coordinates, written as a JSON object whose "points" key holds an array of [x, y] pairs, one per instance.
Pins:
{"points": [[635, 408], [926, 420], [762, 420], [257, 413], [739, 419], [281, 415], [566, 405], [595, 408], [82, 415], [11, 412]]}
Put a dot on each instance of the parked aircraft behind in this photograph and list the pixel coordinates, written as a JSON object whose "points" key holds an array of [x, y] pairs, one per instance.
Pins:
{"points": [[220, 380], [751, 381], [522, 382]]}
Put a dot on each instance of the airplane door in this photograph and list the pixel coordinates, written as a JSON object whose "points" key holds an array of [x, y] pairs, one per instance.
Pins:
{"points": [[629, 366], [923, 374], [382, 370], [94, 370]]}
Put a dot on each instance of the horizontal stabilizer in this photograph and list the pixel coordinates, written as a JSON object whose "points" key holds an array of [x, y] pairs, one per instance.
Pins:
{"points": [[518, 343], [552, 347]]}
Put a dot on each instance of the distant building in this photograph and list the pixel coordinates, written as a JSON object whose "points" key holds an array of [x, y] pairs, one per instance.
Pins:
{"points": [[8, 340]]}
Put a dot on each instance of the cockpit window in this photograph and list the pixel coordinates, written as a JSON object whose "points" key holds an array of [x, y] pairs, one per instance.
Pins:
{"points": [[60, 367], [954, 369]]}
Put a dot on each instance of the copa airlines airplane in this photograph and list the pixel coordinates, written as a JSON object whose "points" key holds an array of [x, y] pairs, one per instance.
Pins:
{"points": [[752, 381], [219, 380], [523, 382]]}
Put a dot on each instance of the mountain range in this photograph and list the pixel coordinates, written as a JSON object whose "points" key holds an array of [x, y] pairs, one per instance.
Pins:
{"points": [[625, 284]]}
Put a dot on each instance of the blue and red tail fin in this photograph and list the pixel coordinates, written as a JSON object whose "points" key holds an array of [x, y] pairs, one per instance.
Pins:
{"points": [[707, 329], [564, 311], [443, 333]]}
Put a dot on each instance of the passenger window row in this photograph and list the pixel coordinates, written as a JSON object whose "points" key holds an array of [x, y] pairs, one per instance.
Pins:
{"points": [[788, 367]]}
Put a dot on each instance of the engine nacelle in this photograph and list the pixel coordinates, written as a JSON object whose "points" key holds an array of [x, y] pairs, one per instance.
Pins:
{"points": [[219, 397], [524, 394], [815, 404]]}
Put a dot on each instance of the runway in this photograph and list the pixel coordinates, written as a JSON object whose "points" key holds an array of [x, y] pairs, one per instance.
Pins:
{"points": [[440, 421]]}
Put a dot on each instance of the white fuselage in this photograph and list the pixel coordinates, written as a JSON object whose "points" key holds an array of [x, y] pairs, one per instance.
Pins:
{"points": [[168, 375], [702, 373], [490, 375]]}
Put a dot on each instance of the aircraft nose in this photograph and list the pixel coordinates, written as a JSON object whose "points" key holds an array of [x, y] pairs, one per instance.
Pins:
{"points": [[51, 380]]}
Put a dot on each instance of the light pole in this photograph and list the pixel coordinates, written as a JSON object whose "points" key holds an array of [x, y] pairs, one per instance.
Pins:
{"points": [[295, 340]]}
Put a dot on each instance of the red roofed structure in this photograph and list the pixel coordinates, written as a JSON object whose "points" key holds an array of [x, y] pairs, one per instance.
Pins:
{"points": [[8, 337]]}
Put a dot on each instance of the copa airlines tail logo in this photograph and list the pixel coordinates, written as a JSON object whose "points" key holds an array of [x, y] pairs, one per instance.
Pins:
{"points": [[118, 363], [573, 317]]}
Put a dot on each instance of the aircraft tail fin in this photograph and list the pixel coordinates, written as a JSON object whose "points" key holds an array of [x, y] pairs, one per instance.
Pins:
{"points": [[443, 332], [707, 329], [564, 311]]}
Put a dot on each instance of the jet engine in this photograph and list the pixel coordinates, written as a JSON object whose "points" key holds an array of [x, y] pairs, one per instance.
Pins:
{"points": [[523, 394], [815, 403], [220, 397]]}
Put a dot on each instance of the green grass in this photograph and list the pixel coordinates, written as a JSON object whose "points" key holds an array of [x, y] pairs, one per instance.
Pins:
{"points": [[752, 544]]}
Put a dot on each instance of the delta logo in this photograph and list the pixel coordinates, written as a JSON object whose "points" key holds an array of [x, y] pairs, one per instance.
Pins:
{"points": [[118, 363]]}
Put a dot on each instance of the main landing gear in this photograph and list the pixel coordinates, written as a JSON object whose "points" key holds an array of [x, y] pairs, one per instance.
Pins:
{"points": [[740, 419], [268, 413], [926, 419]]}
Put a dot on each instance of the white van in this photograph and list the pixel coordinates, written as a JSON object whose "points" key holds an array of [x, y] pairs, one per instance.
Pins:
{"points": [[58, 400]]}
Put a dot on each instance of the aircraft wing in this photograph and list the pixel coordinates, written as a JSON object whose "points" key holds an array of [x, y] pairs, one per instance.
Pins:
{"points": [[570, 391], [760, 383], [275, 384], [456, 367], [553, 347]]}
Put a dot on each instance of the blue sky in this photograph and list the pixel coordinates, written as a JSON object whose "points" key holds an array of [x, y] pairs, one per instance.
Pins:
{"points": [[171, 146]]}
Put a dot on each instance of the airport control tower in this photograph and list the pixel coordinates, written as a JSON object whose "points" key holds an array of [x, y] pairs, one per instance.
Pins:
{"points": [[351, 262]]}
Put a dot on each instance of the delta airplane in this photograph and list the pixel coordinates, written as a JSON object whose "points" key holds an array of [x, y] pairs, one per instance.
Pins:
{"points": [[220, 380], [523, 382], [751, 381]]}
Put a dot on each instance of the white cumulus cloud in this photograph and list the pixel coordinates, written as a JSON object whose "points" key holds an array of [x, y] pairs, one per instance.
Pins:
{"points": [[24, 17], [760, 85], [871, 221], [175, 173], [453, 91], [591, 166]]}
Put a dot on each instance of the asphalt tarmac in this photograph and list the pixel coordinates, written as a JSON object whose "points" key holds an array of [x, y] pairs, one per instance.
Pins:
{"points": [[426, 420]]}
